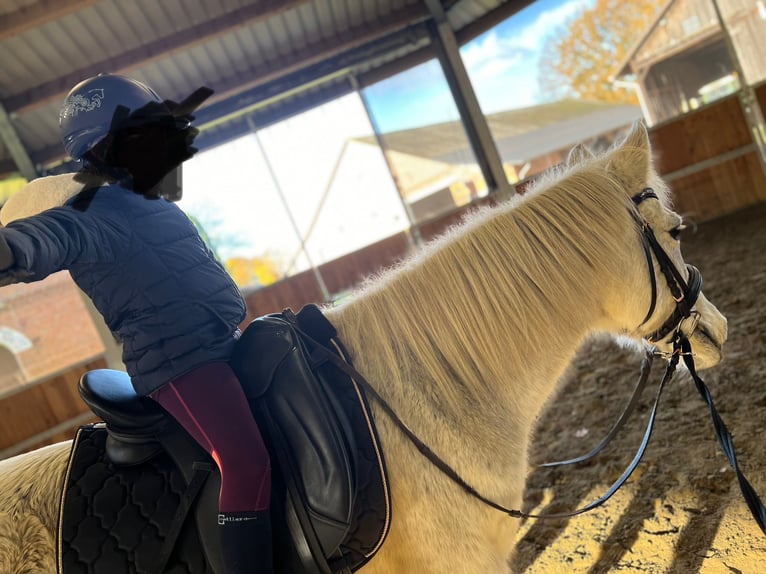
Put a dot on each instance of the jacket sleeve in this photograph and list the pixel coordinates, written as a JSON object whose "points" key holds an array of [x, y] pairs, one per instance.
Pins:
{"points": [[6, 254], [51, 241]]}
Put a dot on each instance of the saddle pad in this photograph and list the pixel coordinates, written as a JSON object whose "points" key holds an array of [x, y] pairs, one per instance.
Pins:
{"points": [[114, 520]]}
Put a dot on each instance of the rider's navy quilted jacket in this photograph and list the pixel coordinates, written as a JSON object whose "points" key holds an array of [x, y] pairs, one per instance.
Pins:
{"points": [[142, 262]]}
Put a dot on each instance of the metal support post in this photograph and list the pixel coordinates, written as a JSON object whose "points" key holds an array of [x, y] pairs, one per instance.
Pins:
{"points": [[283, 199], [479, 135], [414, 236], [10, 137]]}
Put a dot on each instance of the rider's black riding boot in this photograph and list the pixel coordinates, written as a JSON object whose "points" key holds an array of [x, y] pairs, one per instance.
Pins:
{"points": [[246, 542]]}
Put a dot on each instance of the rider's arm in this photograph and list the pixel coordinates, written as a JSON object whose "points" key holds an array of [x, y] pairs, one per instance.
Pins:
{"points": [[10, 272], [6, 254], [45, 243]]}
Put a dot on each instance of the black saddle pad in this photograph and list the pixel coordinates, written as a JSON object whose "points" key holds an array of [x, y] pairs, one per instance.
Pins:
{"points": [[114, 520]]}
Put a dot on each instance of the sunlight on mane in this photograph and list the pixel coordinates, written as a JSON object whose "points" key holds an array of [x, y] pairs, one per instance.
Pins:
{"points": [[500, 275]]}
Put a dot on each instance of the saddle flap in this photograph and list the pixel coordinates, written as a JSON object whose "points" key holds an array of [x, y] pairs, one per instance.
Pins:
{"points": [[301, 424], [329, 473]]}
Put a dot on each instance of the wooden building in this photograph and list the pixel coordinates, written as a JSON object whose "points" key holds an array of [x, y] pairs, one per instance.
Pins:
{"points": [[684, 61]]}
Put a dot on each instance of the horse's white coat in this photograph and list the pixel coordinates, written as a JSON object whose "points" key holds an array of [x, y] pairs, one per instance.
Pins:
{"points": [[30, 487], [38, 195], [467, 342]]}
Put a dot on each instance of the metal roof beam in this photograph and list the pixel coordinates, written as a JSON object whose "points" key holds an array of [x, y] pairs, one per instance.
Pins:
{"points": [[464, 35], [55, 89], [21, 160], [491, 19], [316, 54], [37, 14], [305, 66], [264, 117], [317, 61]]}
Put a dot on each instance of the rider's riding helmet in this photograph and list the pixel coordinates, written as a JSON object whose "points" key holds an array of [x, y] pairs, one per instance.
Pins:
{"points": [[99, 106]]}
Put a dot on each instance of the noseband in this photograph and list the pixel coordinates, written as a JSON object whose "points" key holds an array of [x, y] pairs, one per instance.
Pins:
{"points": [[684, 293]]}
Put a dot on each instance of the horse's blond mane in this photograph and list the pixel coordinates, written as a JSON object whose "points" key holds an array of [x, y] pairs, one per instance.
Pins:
{"points": [[506, 274]]}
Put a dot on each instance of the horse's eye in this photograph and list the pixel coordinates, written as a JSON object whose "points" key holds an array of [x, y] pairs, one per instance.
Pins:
{"points": [[675, 233]]}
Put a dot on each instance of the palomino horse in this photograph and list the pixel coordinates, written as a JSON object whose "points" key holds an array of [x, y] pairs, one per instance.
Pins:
{"points": [[466, 342]]}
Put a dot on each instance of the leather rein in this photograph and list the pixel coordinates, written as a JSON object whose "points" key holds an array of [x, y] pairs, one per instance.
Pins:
{"points": [[685, 293]]}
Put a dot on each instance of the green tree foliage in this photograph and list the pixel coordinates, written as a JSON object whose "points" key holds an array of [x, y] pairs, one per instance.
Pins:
{"points": [[257, 271], [203, 234], [581, 57], [212, 228]]}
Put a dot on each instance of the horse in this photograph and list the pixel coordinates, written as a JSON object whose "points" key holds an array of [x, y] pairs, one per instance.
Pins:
{"points": [[466, 341]]}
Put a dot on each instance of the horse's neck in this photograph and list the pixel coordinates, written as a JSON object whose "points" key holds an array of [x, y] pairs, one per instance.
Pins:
{"points": [[494, 328]]}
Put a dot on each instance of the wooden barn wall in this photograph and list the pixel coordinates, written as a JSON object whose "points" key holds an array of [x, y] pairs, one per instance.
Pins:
{"points": [[346, 272], [293, 292], [760, 94], [45, 412], [339, 275], [709, 158], [435, 227]]}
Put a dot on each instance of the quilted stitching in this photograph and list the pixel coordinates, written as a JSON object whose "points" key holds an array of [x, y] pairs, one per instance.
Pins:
{"points": [[116, 518]]}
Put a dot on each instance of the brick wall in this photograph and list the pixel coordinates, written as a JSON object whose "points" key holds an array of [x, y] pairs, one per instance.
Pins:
{"points": [[52, 315]]}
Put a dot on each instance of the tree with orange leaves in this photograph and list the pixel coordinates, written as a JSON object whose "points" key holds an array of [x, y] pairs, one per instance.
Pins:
{"points": [[257, 271], [580, 59]]}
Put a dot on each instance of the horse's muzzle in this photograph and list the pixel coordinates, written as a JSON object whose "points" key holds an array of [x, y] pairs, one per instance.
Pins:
{"points": [[709, 331]]}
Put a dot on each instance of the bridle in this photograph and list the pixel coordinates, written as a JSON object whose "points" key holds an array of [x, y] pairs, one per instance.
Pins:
{"points": [[685, 292]]}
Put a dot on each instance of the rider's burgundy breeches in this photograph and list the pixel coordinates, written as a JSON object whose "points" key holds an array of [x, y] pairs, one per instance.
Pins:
{"points": [[210, 404]]}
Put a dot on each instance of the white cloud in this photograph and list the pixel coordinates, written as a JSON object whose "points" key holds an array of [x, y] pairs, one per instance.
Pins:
{"points": [[503, 63], [534, 36], [489, 57], [517, 43]]}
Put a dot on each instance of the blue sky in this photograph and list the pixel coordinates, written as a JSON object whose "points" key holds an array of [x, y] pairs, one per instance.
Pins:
{"points": [[501, 63]]}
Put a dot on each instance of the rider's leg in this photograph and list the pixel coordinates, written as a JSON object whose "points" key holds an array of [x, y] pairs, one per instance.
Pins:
{"points": [[210, 404]]}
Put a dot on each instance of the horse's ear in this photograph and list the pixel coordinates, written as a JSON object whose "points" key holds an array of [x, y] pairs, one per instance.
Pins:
{"points": [[631, 161], [638, 137], [578, 154]]}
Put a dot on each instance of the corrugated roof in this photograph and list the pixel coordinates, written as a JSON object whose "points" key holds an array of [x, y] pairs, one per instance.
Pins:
{"points": [[521, 134], [248, 51]]}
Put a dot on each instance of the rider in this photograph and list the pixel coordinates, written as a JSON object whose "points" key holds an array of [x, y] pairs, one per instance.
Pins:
{"points": [[158, 286]]}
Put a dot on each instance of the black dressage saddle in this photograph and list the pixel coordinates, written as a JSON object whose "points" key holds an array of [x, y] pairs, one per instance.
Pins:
{"points": [[331, 506]]}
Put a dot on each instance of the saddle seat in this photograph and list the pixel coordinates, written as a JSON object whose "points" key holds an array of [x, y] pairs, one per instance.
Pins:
{"points": [[133, 422]]}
